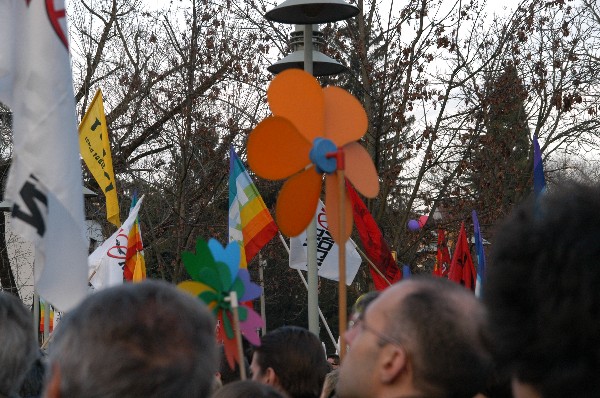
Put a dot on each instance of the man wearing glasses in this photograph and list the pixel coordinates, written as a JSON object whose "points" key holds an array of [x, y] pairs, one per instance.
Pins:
{"points": [[424, 337]]}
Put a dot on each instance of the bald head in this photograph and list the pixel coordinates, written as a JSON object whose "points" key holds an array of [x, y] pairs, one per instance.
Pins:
{"points": [[445, 329], [421, 337]]}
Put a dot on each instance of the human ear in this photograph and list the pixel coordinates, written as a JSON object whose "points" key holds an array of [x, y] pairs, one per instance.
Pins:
{"points": [[394, 362]]}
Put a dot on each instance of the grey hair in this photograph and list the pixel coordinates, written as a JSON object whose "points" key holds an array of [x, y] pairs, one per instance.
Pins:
{"points": [[136, 340], [18, 348], [445, 328]]}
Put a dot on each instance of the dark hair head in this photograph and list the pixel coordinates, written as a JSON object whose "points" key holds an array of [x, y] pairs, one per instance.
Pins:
{"points": [[247, 388], [18, 347], [543, 292], [445, 330], [146, 339], [298, 359]]}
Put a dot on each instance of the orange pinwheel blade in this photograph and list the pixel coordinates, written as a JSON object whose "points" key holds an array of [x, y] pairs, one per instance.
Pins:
{"points": [[332, 209], [345, 117], [297, 202], [360, 170], [276, 150], [298, 97]]}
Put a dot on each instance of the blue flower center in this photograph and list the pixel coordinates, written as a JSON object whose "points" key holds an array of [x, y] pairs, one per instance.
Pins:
{"points": [[318, 155]]}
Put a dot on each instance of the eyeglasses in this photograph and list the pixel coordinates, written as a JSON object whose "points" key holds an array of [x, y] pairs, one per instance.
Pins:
{"points": [[360, 321]]}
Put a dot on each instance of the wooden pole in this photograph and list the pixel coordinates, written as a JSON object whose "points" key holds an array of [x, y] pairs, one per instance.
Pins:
{"points": [[238, 333], [343, 305]]}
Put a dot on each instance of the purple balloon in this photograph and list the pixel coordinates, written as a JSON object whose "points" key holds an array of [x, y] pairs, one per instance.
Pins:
{"points": [[413, 225]]}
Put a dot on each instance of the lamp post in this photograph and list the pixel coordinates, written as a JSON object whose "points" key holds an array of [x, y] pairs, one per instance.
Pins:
{"points": [[307, 13]]}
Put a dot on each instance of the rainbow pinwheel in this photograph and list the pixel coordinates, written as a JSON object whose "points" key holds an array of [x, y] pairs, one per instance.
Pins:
{"points": [[310, 127], [215, 272]]}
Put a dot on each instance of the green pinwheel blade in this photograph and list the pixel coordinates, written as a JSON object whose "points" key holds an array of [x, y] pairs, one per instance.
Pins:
{"points": [[242, 313], [238, 287], [224, 274], [228, 326], [192, 264], [209, 276], [203, 253]]}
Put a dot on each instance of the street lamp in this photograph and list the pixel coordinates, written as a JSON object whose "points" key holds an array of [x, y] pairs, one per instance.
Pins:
{"points": [[307, 13]]}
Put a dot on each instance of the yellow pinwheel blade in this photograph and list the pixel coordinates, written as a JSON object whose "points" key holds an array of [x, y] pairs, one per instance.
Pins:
{"points": [[297, 202], [332, 209], [195, 289], [360, 170], [276, 150], [298, 97], [345, 117]]}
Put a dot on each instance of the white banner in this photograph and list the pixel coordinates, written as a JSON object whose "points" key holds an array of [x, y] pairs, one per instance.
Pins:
{"points": [[44, 184], [106, 262], [327, 252]]}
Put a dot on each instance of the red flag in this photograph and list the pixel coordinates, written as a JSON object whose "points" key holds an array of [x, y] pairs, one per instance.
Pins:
{"points": [[375, 246], [442, 261], [462, 269]]}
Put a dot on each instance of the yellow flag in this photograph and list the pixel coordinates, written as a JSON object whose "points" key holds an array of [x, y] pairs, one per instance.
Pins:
{"points": [[95, 151]]}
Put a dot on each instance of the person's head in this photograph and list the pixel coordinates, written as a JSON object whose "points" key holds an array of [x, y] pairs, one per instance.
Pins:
{"points": [[18, 348], [423, 336], [247, 388], [543, 293], [333, 360], [146, 339], [329, 385], [292, 360]]}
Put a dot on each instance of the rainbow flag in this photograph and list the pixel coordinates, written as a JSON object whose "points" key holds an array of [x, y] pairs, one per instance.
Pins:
{"points": [[250, 222], [135, 265]]}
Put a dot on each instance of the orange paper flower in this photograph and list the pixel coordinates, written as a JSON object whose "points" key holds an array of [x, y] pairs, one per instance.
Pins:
{"points": [[309, 121]]}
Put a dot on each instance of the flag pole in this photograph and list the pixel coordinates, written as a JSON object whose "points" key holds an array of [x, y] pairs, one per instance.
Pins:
{"points": [[335, 344], [342, 304], [238, 334], [261, 277], [370, 263]]}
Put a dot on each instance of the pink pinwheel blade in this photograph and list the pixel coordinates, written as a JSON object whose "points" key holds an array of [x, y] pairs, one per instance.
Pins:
{"points": [[360, 170], [276, 149], [297, 202], [332, 209], [250, 325], [345, 118], [298, 97]]}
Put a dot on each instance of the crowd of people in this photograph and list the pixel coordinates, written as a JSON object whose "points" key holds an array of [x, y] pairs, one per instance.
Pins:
{"points": [[535, 334]]}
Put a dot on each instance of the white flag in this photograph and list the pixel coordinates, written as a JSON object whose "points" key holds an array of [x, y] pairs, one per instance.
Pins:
{"points": [[327, 252], [107, 261], [44, 184]]}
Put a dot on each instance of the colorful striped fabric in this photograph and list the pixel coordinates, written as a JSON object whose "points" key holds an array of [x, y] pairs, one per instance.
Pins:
{"points": [[135, 265], [250, 222]]}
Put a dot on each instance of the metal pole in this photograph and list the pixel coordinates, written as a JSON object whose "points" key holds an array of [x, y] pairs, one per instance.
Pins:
{"points": [[311, 232], [335, 344], [261, 277]]}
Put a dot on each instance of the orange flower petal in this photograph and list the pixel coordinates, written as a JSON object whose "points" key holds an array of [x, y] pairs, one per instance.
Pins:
{"points": [[297, 202], [332, 209], [276, 150], [345, 117], [298, 97], [360, 170]]}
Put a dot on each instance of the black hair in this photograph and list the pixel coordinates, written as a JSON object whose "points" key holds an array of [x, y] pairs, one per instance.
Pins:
{"points": [[543, 292], [298, 359]]}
